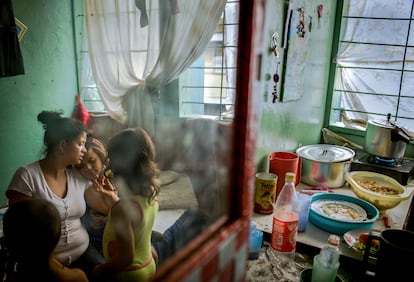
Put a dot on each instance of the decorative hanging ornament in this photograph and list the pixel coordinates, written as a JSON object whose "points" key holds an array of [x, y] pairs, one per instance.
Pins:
{"points": [[273, 46]]}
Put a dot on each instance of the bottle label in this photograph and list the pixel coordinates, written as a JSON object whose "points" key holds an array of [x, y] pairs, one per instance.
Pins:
{"points": [[264, 193], [284, 231]]}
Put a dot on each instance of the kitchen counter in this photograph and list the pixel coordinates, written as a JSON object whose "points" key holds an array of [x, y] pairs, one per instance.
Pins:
{"points": [[316, 237], [269, 267]]}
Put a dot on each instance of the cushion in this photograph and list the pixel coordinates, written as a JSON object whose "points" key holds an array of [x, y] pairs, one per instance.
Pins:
{"points": [[176, 191], [166, 218]]}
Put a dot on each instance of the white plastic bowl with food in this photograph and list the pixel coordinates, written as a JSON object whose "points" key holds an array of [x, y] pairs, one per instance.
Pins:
{"points": [[382, 191]]}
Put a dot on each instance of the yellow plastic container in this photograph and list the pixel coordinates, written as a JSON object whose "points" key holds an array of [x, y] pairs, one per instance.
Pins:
{"points": [[379, 199]]}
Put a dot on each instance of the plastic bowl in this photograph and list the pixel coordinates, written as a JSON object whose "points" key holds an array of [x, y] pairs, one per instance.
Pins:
{"points": [[340, 227], [381, 201]]}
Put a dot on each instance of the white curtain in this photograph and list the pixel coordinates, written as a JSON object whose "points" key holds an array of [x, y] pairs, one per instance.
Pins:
{"points": [[136, 47], [351, 56]]}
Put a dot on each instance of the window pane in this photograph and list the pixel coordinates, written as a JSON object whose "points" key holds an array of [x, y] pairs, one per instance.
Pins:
{"points": [[406, 108], [379, 8], [406, 123], [409, 59], [91, 100], [372, 56], [208, 86], [370, 81], [370, 103], [373, 31], [411, 36], [375, 65], [208, 82], [407, 87]]}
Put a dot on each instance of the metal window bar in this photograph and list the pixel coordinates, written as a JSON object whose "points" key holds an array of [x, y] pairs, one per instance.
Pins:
{"points": [[402, 70], [221, 69], [87, 100]]}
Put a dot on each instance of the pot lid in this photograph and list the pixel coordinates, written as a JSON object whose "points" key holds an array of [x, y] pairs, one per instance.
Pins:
{"points": [[382, 123], [325, 153], [386, 123]]}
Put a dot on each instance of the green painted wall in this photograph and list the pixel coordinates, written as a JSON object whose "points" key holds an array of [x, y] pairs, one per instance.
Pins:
{"points": [[49, 82], [284, 126]]}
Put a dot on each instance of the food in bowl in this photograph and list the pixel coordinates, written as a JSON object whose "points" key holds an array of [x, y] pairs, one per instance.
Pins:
{"points": [[359, 246], [357, 240], [374, 186], [362, 240], [382, 191], [367, 213], [339, 210]]}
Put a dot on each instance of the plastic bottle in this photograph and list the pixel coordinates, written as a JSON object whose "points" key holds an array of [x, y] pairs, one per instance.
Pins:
{"points": [[286, 219], [326, 264]]}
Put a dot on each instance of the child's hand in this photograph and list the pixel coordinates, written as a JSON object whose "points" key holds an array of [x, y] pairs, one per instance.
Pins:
{"points": [[104, 186]]}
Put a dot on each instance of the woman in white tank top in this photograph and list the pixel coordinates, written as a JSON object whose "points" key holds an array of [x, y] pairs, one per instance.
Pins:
{"points": [[53, 179]]}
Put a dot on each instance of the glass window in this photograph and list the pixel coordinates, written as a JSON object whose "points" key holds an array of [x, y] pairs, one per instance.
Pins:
{"points": [[206, 88], [373, 64]]}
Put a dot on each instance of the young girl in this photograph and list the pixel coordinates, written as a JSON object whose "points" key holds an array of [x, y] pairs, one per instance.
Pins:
{"points": [[127, 236], [32, 254], [92, 168]]}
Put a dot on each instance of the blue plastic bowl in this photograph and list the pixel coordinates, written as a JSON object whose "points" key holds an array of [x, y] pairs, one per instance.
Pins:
{"points": [[338, 226]]}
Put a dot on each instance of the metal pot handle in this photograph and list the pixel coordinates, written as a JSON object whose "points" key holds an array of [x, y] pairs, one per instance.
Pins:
{"points": [[409, 136], [399, 133]]}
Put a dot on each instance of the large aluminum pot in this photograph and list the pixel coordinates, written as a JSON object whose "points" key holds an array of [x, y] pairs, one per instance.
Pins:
{"points": [[325, 165], [385, 139]]}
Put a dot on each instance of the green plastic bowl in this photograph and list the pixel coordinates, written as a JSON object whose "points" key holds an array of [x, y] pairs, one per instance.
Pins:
{"points": [[340, 227]]}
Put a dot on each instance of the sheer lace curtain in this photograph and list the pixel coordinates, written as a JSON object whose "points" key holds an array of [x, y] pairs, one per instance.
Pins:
{"points": [[352, 56], [138, 46]]}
